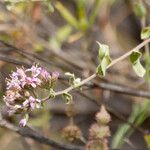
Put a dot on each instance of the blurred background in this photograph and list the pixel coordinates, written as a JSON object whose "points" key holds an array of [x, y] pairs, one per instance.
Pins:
{"points": [[61, 35]]}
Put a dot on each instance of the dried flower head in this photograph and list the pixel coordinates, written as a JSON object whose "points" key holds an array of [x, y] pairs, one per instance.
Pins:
{"points": [[97, 145], [98, 132], [71, 133], [103, 117]]}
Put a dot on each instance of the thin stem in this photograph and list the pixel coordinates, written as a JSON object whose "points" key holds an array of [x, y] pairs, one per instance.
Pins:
{"points": [[78, 85], [110, 65]]}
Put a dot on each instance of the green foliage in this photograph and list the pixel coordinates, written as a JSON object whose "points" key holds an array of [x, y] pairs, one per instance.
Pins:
{"points": [[38, 47], [139, 9], [67, 14], [95, 11], [61, 36], [67, 98], [73, 81], [147, 62], [135, 60], [49, 5], [81, 11], [147, 140], [137, 117], [145, 33], [82, 23], [104, 59]]}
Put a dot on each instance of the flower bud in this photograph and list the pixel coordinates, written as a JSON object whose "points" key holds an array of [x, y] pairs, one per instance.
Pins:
{"points": [[23, 122]]}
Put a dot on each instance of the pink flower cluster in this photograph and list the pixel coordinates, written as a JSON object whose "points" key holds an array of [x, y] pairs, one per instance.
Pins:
{"points": [[20, 95]]}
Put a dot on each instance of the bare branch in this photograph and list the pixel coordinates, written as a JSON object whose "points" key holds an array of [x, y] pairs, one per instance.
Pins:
{"points": [[30, 133]]}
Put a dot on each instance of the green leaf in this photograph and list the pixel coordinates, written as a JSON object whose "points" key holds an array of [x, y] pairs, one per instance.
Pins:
{"points": [[104, 59], [61, 36], [103, 50], [147, 140], [67, 97], [63, 33], [50, 6], [38, 47], [139, 9], [145, 33], [101, 69], [66, 14], [135, 60], [137, 117], [81, 11], [95, 11]]}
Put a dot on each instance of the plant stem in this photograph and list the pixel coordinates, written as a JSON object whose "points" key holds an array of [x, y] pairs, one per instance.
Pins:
{"points": [[110, 65]]}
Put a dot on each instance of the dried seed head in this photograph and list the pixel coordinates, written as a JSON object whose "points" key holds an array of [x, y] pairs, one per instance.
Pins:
{"points": [[98, 132], [97, 145], [103, 117], [71, 133]]}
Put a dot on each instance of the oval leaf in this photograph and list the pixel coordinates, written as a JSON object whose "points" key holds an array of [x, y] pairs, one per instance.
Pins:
{"points": [[135, 60], [145, 33], [104, 59]]}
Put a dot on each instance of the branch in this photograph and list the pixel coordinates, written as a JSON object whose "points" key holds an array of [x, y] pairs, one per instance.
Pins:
{"points": [[120, 89], [107, 86], [30, 133], [110, 65], [13, 60], [25, 53]]}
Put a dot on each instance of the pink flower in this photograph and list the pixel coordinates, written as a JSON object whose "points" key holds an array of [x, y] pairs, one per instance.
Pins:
{"points": [[21, 72], [18, 97], [35, 70], [45, 74], [11, 96], [31, 102], [13, 84], [32, 81], [55, 75], [23, 122], [14, 75]]}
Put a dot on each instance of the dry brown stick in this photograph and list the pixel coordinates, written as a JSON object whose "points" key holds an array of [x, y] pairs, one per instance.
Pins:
{"points": [[30, 55], [120, 89], [30, 133], [13, 60], [25, 52]]}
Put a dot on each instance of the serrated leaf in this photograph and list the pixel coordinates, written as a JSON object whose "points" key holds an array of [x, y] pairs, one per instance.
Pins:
{"points": [[104, 59], [135, 60], [145, 33], [139, 9]]}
